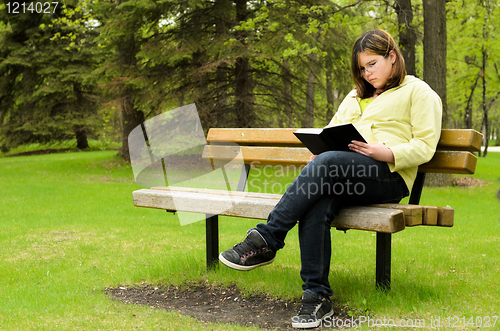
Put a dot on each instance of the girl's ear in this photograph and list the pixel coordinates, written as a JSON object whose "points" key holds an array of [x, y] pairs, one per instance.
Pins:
{"points": [[393, 56]]}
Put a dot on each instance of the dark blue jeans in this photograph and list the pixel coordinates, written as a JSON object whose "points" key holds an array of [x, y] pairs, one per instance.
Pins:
{"points": [[329, 182]]}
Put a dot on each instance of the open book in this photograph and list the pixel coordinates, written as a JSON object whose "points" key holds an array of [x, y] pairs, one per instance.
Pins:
{"points": [[335, 138]]}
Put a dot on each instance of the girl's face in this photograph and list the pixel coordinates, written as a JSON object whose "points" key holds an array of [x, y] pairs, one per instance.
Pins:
{"points": [[376, 69]]}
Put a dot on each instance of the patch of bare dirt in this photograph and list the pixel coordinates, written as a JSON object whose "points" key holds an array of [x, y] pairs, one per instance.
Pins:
{"points": [[209, 303], [468, 181]]}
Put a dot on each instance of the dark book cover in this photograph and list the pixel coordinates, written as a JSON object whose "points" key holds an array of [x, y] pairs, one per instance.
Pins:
{"points": [[335, 138]]}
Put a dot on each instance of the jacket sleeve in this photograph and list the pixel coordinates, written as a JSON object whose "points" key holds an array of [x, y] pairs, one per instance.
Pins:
{"points": [[426, 112]]}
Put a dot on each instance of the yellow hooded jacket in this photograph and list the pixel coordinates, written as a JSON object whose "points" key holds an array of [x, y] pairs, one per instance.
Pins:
{"points": [[406, 119]]}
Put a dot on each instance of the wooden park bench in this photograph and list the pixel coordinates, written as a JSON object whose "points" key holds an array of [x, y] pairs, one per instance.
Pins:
{"points": [[281, 147]]}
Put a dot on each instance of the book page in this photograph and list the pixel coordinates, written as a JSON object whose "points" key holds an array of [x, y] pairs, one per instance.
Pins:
{"points": [[310, 131]]}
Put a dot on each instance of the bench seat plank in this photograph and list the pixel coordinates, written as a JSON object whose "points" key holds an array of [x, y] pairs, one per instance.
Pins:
{"points": [[413, 214], [430, 216], [259, 205], [205, 203], [445, 216], [383, 220], [220, 192]]}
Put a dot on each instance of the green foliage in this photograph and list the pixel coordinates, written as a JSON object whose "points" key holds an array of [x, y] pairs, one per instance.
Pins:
{"points": [[472, 29], [244, 63], [45, 92]]}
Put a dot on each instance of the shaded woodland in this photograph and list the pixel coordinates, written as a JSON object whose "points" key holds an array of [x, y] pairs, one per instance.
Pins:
{"points": [[88, 69]]}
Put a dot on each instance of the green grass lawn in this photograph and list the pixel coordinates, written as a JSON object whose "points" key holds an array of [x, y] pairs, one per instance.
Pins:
{"points": [[69, 230]]}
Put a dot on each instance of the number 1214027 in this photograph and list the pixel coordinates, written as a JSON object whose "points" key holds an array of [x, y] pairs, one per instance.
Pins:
{"points": [[33, 7]]}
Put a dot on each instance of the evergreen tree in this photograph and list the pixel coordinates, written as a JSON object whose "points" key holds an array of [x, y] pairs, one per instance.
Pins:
{"points": [[44, 94], [18, 76]]}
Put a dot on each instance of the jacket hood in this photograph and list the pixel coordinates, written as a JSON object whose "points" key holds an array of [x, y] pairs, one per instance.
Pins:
{"points": [[409, 79]]}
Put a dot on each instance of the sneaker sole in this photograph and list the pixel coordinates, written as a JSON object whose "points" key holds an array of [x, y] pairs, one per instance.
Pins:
{"points": [[241, 267], [310, 325]]}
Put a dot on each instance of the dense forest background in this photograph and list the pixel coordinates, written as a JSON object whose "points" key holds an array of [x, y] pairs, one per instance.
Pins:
{"points": [[95, 69]]}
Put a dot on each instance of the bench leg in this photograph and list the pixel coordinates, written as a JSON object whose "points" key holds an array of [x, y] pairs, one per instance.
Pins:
{"points": [[383, 267], [416, 191], [212, 232]]}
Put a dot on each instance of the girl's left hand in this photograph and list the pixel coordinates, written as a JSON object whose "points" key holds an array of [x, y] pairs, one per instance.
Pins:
{"points": [[376, 151]]}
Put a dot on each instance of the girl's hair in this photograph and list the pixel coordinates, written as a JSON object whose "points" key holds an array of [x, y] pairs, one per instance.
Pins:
{"points": [[381, 43]]}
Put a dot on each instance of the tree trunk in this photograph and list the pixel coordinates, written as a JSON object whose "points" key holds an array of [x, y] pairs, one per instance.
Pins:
{"points": [[435, 59], [131, 117], [330, 100], [435, 50], [81, 138], [287, 95], [468, 108], [494, 132], [310, 92], [221, 74], [485, 126], [407, 34], [245, 116]]}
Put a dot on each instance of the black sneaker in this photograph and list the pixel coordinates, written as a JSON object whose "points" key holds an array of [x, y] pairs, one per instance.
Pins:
{"points": [[249, 254], [312, 312]]}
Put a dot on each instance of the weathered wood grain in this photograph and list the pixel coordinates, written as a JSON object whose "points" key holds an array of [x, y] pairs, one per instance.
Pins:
{"points": [[455, 162], [445, 216], [413, 213], [451, 139], [452, 162], [460, 140], [259, 205]]}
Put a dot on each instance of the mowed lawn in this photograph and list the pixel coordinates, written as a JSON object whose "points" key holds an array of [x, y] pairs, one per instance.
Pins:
{"points": [[69, 230]]}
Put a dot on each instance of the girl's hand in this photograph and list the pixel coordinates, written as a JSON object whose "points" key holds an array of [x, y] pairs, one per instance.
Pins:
{"points": [[312, 157], [374, 150]]}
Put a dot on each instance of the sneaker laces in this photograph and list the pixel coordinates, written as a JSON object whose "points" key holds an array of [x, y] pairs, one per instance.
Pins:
{"points": [[247, 248], [310, 308]]}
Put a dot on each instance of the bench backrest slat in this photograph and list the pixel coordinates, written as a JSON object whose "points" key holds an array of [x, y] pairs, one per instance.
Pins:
{"points": [[456, 162], [280, 146], [460, 140], [256, 137], [451, 162], [451, 139]]}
